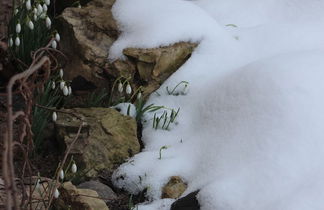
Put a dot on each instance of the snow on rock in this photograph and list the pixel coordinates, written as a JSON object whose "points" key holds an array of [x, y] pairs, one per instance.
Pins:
{"points": [[249, 134]]}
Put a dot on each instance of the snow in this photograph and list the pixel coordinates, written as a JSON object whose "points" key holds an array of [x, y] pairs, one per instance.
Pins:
{"points": [[249, 134]]}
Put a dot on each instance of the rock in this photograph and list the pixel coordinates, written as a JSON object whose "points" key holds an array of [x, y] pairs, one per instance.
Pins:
{"points": [[107, 138], [86, 36], [155, 65], [174, 188], [189, 202], [105, 192], [79, 199], [87, 33]]}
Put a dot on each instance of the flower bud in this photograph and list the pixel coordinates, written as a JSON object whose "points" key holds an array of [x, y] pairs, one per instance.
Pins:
{"points": [[54, 44], [61, 73], [17, 41], [35, 10], [65, 91], [70, 90], [61, 174], [120, 87], [74, 168], [48, 22], [57, 37], [18, 28], [54, 116], [10, 42], [28, 5], [62, 84], [128, 89], [35, 17], [39, 9], [139, 95], [47, 2], [53, 85], [16, 11], [56, 193], [45, 8], [31, 25]]}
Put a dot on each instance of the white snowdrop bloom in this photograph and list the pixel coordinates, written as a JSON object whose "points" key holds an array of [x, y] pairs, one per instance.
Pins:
{"points": [[37, 184], [56, 193], [17, 41], [74, 168], [79, 6], [48, 22], [39, 9], [62, 84], [70, 90], [45, 8], [28, 5], [61, 174], [16, 11], [128, 89], [10, 42], [65, 91], [18, 28], [47, 2], [54, 44], [53, 85], [31, 25], [35, 10], [43, 15], [139, 95], [120, 87], [61, 73], [54, 116], [35, 17], [57, 37]]}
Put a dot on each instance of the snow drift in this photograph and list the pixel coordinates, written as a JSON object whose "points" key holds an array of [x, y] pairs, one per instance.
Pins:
{"points": [[250, 130]]}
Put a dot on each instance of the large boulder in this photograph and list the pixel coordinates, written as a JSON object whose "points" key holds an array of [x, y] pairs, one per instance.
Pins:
{"points": [[87, 33], [107, 138]]}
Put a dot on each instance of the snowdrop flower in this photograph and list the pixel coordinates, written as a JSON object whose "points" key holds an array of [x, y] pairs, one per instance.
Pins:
{"points": [[16, 11], [35, 10], [70, 90], [120, 87], [39, 9], [18, 28], [139, 95], [128, 89], [61, 174], [28, 5], [54, 44], [62, 84], [74, 168], [45, 8], [17, 41], [61, 73], [57, 37], [79, 6], [56, 193], [48, 22], [35, 17], [37, 184], [65, 91], [31, 25], [53, 85], [43, 15], [47, 2], [10, 42], [54, 116]]}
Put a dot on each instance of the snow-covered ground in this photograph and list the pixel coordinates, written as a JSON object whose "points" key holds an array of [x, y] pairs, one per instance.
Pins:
{"points": [[250, 132]]}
